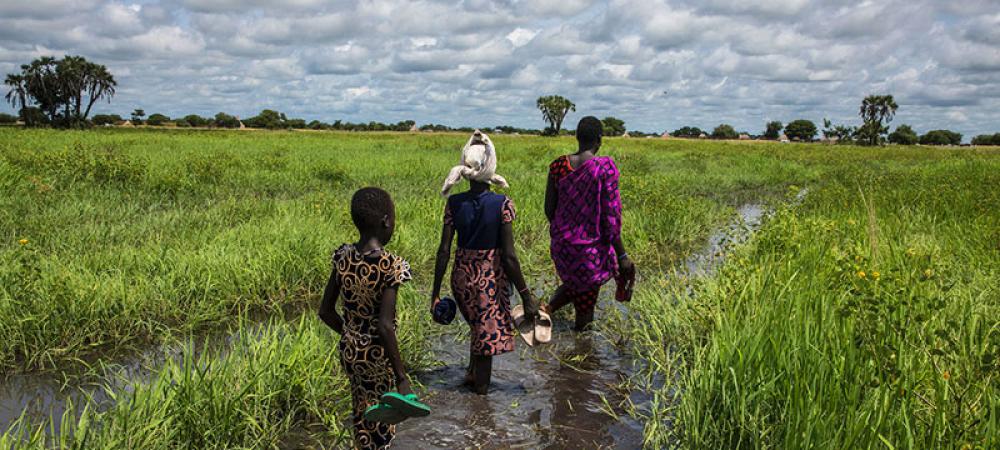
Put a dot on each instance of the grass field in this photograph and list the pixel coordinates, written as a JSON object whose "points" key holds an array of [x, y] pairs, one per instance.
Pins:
{"points": [[864, 317]]}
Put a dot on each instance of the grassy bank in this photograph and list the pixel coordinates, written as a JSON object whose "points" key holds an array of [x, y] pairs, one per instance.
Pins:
{"points": [[867, 317]]}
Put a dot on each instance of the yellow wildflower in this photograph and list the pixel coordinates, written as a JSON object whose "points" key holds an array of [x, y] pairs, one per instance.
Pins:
{"points": [[928, 273], [875, 275], [946, 375], [861, 274], [23, 242], [851, 222]]}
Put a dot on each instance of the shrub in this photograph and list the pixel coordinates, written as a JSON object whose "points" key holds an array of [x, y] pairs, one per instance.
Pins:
{"points": [[157, 119], [941, 137], [904, 135], [724, 131], [986, 139], [803, 130], [773, 130]]}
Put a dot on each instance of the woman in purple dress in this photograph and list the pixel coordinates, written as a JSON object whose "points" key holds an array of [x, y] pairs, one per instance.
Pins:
{"points": [[584, 209]]}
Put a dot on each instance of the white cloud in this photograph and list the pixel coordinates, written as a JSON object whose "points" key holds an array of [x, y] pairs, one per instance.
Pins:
{"points": [[657, 64]]}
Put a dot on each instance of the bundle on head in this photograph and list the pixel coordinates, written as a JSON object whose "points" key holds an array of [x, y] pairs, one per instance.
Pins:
{"points": [[478, 163]]}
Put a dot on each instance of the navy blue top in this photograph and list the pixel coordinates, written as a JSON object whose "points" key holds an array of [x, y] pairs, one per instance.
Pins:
{"points": [[477, 218]]}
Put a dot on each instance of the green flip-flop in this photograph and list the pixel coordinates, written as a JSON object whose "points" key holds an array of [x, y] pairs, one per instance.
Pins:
{"points": [[383, 413], [407, 404]]}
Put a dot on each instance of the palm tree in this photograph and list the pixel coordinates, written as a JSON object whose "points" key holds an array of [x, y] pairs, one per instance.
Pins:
{"points": [[874, 110], [100, 83], [554, 109], [18, 94]]}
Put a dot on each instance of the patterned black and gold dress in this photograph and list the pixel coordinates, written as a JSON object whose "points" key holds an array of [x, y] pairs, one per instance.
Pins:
{"points": [[362, 279]]}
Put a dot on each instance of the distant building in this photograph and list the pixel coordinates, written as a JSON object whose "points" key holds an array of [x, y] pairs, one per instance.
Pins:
{"points": [[744, 137], [702, 136], [125, 123], [783, 138], [414, 129], [666, 135], [626, 135]]}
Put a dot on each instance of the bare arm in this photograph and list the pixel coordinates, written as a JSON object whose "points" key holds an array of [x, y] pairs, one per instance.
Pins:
{"points": [[551, 199], [387, 331], [441, 263], [328, 308], [512, 267]]}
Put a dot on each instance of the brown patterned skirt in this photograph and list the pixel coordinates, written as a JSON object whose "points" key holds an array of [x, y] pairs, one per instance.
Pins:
{"points": [[483, 296]]}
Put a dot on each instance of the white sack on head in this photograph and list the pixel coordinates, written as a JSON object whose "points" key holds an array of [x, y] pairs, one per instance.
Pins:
{"points": [[478, 162]]}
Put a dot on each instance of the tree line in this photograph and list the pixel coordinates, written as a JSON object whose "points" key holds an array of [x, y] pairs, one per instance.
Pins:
{"points": [[62, 92]]}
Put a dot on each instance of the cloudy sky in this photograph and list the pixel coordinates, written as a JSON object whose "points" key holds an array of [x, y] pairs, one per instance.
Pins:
{"points": [[657, 64]]}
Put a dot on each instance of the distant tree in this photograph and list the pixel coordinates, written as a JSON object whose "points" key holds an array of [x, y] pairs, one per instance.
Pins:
{"points": [[297, 124], [317, 125], [157, 119], [63, 90], [404, 125], [613, 126], [106, 119], [903, 135], [803, 130], [690, 132], [7, 118], [986, 139], [843, 134], [267, 118], [724, 131], [554, 109], [941, 137], [137, 116], [875, 109], [773, 130], [193, 120], [223, 120]]}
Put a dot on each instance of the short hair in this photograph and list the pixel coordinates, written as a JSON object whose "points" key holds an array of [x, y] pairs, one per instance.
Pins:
{"points": [[589, 130], [369, 205]]}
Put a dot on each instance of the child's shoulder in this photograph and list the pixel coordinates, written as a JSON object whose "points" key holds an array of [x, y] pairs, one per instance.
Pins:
{"points": [[397, 267]]}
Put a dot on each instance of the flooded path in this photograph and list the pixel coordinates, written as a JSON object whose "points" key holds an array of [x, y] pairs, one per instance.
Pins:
{"points": [[579, 391]]}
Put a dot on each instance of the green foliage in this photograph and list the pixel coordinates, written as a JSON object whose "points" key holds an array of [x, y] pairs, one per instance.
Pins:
{"points": [[986, 139], [801, 129], [773, 130], [106, 119], [268, 118], [157, 119], [842, 134], [876, 112], [724, 131], [137, 116], [63, 90], [941, 137], [687, 132], [7, 118], [33, 117], [554, 109], [223, 120], [903, 135], [613, 126], [193, 120]]}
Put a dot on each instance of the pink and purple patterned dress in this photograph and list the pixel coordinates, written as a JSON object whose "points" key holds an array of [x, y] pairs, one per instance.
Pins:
{"points": [[588, 218], [478, 281]]}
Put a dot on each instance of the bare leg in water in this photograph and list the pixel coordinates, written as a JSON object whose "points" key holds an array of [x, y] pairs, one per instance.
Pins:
{"points": [[479, 372], [562, 297]]}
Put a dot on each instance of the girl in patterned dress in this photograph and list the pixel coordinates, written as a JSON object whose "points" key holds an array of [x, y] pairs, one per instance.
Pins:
{"points": [[368, 277], [584, 209], [485, 260]]}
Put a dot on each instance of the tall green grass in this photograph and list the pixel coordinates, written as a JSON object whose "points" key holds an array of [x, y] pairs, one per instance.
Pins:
{"points": [[867, 317], [136, 237]]}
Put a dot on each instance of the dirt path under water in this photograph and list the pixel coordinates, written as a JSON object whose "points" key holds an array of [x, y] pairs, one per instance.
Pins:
{"points": [[572, 393]]}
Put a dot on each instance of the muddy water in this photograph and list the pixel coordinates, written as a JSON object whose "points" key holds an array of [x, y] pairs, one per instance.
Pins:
{"points": [[553, 396], [575, 392]]}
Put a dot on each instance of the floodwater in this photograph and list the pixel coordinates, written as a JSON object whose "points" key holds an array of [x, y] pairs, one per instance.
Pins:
{"points": [[579, 391], [565, 394]]}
